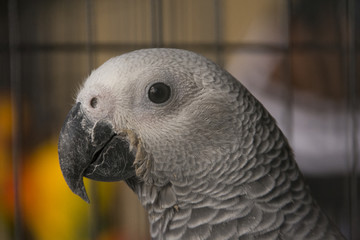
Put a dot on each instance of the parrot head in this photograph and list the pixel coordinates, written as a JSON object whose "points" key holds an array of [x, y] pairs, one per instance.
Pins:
{"points": [[203, 155], [154, 116]]}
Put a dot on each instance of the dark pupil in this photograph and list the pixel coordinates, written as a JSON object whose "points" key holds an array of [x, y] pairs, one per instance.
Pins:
{"points": [[94, 102], [159, 93]]}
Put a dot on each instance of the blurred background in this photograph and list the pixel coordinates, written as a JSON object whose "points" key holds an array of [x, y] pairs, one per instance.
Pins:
{"points": [[300, 58]]}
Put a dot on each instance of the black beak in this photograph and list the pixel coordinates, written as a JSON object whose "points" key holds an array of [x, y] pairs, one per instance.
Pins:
{"points": [[92, 150]]}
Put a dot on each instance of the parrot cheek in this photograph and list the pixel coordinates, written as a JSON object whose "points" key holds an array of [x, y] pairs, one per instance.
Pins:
{"points": [[92, 150]]}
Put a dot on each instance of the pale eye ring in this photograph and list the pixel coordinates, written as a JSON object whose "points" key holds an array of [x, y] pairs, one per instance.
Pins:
{"points": [[94, 102]]}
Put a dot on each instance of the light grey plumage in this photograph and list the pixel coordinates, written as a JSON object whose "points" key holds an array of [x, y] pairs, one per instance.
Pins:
{"points": [[208, 163]]}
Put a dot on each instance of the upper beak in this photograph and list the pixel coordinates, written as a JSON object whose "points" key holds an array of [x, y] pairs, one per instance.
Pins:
{"points": [[92, 150]]}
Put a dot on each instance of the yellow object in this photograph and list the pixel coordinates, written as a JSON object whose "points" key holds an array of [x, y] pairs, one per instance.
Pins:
{"points": [[51, 210]]}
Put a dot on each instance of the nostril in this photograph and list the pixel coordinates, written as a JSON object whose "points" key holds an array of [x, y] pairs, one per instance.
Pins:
{"points": [[94, 102]]}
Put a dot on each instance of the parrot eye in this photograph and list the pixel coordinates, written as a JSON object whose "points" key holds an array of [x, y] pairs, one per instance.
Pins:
{"points": [[159, 93], [94, 102]]}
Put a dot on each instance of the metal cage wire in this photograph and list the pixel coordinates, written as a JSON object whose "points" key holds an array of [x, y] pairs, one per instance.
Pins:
{"points": [[157, 23]]}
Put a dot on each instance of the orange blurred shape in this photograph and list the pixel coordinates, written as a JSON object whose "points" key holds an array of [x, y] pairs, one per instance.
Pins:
{"points": [[6, 171]]}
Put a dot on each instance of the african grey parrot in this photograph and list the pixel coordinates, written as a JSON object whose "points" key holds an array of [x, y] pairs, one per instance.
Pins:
{"points": [[205, 158]]}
